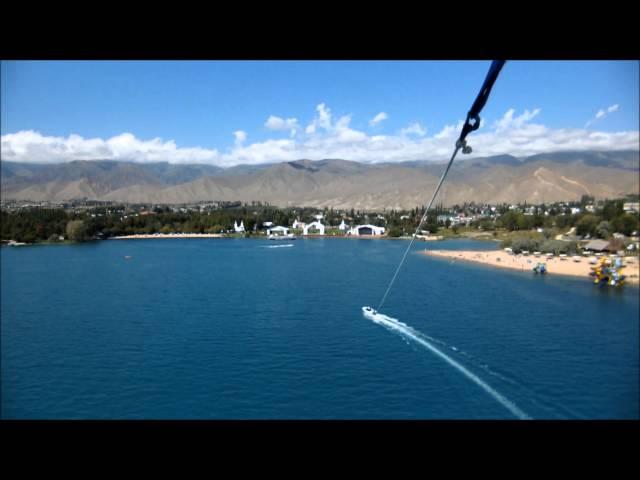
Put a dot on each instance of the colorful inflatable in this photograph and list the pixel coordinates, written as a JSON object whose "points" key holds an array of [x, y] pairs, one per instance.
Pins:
{"points": [[606, 273], [540, 268]]}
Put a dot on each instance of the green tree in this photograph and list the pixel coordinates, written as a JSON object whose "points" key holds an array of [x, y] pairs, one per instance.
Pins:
{"points": [[603, 230], [562, 221], [586, 200], [431, 222], [395, 231], [558, 246], [76, 231], [520, 244], [587, 225], [612, 209], [625, 224], [510, 220], [523, 222]]}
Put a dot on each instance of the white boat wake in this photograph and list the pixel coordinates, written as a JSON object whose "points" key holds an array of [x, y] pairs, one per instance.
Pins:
{"points": [[277, 246], [406, 331]]}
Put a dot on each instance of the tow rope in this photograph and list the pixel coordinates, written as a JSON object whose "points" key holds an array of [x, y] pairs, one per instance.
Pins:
{"points": [[472, 123]]}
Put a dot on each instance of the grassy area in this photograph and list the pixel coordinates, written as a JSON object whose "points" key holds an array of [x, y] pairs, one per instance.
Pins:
{"points": [[499, 234], [505, 234], [465, 232]]}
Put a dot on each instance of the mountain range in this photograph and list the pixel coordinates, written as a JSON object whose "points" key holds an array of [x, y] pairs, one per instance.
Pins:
{"points": [[332, 182]]}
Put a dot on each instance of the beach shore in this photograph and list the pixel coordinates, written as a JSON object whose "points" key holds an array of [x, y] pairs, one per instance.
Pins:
{"points": [[169, 235], [555, 265]]}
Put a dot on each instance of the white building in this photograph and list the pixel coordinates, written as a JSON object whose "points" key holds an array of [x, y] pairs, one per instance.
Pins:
{"points": [[298, 224], [631, 207], [366, 230], [319, 217], [343, 226], [313, 226], [238, 229], [267, 224]]}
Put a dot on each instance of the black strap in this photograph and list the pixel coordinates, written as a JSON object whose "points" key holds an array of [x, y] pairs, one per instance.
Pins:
{"points": [[481, 99]]}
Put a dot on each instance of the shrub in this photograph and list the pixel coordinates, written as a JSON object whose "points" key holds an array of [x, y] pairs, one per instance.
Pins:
{"points": [[519, 244], [395, 231], [557, 246]]}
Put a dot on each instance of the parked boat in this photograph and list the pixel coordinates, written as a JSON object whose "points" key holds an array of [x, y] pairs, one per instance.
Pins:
{"points": [[275, 236]]}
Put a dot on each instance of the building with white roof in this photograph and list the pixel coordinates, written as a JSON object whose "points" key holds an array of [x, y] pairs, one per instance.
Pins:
{"points": [[313, 226], [366, 230]]}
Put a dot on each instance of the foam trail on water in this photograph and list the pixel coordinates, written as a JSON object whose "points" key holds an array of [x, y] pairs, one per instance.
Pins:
{"points": [[407, 331], [277, 246]]}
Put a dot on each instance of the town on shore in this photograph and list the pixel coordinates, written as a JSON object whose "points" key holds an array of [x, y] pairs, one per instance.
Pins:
{"points": [[562, 229]]}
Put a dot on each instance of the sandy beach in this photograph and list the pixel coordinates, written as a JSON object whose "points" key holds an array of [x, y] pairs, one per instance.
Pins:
{"points": [[169, 235], [555, 265]]}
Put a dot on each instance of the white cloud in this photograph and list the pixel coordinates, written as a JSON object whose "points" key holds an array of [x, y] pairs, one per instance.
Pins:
{"points": [[507, 122], [324, 116], [414, 129], [277, 123], [601, 114], [30, 146], [241, 136], [512, 134], [378, 118], [449, 131], [323, 120]]}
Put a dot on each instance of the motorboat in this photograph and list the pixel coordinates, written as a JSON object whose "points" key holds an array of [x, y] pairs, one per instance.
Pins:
{"points": [[289, 236], [369, 312]]}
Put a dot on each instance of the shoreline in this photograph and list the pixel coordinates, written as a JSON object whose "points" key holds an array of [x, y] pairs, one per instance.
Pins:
{"points": [[167, 235], [555, 266], [257, 237]]}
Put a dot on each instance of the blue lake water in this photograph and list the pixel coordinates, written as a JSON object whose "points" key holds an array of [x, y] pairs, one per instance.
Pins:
{"points": [[232, 329]]}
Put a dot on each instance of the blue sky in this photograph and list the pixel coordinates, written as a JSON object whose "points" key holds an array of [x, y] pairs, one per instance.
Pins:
{"points": [[199, 106]]}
